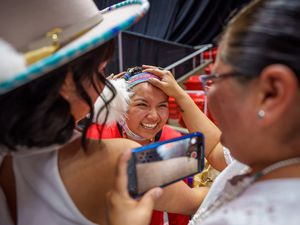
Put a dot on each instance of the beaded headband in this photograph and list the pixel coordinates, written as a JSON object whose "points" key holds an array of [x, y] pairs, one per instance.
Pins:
{"points": [[140, 78], [134, 76]]}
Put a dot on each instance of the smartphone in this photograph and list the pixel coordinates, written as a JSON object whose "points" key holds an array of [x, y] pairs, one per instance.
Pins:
{"points": [[163, 163]]}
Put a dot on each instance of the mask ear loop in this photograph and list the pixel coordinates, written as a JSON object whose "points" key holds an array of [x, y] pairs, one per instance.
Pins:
{"points": [[130, 133]]}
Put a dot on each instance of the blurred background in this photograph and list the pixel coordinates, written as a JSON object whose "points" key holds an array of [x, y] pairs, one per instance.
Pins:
{"points": [[171, 30]]}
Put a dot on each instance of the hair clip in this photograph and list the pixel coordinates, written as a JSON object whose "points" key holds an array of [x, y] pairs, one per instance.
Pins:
{"points": [[130, 72], [126, 76]]}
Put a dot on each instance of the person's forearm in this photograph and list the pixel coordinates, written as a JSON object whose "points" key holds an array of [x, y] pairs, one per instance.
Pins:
{"points": [[196, 120], [216, 157], [180, 198]]}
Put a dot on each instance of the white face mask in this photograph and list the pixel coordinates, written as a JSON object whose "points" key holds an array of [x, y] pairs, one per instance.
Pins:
{"points": [[117, 107]]}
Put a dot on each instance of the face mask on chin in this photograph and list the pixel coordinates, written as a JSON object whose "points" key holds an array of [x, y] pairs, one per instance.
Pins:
{"points": [[117, 108]]}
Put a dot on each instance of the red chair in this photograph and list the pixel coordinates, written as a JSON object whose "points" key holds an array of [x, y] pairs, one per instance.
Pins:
{"points": [[193, 83]]}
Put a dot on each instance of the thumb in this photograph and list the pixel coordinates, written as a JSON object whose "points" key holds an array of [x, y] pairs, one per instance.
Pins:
{"points": [[148, 200]]}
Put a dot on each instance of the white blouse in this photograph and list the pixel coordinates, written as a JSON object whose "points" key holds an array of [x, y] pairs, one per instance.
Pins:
{"points": [[271, 202]]}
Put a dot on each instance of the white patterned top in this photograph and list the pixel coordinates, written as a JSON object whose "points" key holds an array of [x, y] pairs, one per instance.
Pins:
{"points": [[267, 202]]}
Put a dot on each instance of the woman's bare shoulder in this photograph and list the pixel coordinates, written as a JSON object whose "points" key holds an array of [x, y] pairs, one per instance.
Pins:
{"points": [[110, 146], [93, 170], [119, 143], [95, 147]]}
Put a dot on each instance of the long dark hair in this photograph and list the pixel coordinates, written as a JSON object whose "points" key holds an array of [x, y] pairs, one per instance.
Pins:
{"points": [[36, 115], [266, 32]]}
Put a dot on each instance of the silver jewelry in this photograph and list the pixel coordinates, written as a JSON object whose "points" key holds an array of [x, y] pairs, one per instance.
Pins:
{"points": [[261, 114]]}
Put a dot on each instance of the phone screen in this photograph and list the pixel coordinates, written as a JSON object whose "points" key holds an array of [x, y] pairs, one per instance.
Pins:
{"points": [[163, 163]]}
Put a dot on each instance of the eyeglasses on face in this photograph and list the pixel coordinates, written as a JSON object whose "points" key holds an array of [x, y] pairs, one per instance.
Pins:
{"points": [[208, 80]]}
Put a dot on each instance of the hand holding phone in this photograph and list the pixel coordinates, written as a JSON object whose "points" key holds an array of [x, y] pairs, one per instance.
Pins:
{"points": [[163, 163], [122, 209]]}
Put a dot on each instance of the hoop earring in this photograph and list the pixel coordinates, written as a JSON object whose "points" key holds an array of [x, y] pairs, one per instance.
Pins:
{"points": [[261, 114]]}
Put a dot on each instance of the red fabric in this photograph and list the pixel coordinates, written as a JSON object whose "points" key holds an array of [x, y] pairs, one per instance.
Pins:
{"points": [[157, 218], [177, 219], [107, 132], [112, 131], [167, 133]]}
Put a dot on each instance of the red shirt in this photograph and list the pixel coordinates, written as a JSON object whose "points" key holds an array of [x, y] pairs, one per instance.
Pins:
{"points": [[113, 131]]}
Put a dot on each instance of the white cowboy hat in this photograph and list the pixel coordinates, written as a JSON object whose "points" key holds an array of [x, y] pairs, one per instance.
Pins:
{"points": [[39, 36]]}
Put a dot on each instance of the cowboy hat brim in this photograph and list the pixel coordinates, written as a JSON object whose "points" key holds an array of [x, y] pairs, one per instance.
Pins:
{"points": [[115, 19]]}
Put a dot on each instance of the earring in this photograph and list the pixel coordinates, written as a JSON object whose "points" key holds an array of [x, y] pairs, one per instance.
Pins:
{"points": [[261, 114]]}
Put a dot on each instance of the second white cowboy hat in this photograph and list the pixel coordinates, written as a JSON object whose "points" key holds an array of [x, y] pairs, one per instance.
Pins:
{"points": [[44, 35]]}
